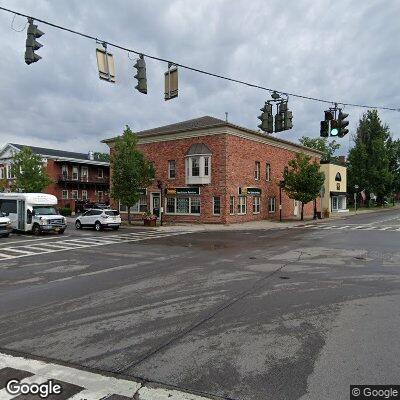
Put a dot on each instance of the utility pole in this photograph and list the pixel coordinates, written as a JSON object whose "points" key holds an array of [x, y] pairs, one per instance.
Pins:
{"points": [[355, 198]]}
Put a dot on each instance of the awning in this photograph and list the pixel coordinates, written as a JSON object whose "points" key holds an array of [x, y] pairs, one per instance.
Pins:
{"points": [[338, 193]]}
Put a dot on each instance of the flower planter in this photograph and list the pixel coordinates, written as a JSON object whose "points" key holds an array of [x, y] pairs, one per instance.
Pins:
{"points": [[149, 222]]}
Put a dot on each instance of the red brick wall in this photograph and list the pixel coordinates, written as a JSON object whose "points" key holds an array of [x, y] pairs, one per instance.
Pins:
{"points": [[232, 166]]}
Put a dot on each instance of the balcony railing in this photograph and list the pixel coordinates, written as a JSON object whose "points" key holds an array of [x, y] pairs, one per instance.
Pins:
{"points": [[83, 179]]}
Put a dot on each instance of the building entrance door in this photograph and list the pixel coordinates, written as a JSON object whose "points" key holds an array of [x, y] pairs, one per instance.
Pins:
{"points": [[296, 208], [155, 203]]}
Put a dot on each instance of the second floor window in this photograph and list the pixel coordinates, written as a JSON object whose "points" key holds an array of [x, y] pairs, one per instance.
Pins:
{"points": [[75, 173], [171, 169], [64, 171], [84, 173], [100, 173], [195, 166], [206, 165], [257, 171], [65, 194], [267, 172]]}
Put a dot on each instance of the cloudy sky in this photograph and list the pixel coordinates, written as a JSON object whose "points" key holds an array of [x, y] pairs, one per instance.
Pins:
{"points": [[339, 50]]}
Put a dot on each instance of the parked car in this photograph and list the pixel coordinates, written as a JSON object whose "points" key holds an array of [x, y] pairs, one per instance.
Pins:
{"points": [[99, 219], [82, 206], [5, 226]]}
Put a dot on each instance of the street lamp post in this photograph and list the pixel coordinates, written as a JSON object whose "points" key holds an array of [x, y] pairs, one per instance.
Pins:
{"points": [[281, 186], [355, 198]]}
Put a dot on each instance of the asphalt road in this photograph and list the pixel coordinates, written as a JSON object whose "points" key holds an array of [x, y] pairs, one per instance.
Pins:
{"points": [[300, 313]]}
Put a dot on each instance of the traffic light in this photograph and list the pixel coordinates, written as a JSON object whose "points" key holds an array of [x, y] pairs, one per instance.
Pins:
{"points": [[141, 75], [280, 116], [31, 43], [279, 121], [288, 120], [334, 131], [329, 115], [266, 118], [324, 132], [342, 123]]}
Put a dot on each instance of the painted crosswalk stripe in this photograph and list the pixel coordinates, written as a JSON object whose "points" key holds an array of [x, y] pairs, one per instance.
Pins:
{"points": [[8, 253]]}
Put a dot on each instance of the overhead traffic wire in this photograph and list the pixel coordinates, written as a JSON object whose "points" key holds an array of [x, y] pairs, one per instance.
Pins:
{"points": [[198, 70]]}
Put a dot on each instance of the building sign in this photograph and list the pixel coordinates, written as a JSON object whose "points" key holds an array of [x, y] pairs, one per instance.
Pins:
{"points": [[249, 191], [188, 191]]}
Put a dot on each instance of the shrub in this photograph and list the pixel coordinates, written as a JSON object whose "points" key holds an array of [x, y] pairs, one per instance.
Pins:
{"points": [[65, 211]]}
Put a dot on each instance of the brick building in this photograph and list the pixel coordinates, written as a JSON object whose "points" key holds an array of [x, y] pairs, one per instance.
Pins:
{"points": [[76, 176], [217, 172]]}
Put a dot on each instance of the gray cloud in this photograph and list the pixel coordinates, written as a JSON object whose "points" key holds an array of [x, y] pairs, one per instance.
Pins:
{"points": [[345, 51]]}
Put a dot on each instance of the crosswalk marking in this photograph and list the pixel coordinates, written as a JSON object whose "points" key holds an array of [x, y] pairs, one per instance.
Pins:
{"points": [[366, 227], [80, 384], [18, 251]]}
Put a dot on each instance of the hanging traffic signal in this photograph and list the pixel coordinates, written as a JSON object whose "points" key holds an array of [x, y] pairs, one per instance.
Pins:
{"points": [[342, 123], [287, 120], [279, 120], [266, 118], [31, 43], [141, 75], [324, 131]]}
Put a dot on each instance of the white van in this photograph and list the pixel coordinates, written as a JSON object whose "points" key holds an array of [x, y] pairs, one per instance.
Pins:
{"points": [[32, 212], [5, 226]]}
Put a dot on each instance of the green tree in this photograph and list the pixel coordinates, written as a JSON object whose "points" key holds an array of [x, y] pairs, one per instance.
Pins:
{"points": [[370, 161], [320, 143], [29, 173], [131, 170], [101, 156], [304, 180]]}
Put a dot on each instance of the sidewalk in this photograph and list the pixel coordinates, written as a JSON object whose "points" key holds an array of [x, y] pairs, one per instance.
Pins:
{"points": [[246, 226]]}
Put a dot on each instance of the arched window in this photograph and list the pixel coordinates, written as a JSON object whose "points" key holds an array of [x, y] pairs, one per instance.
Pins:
{"points": [[338, 177]]}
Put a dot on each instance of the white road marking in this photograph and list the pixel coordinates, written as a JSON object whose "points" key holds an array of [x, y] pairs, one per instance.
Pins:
{"points": [[86, 242], [95, 385], [85, 379]]}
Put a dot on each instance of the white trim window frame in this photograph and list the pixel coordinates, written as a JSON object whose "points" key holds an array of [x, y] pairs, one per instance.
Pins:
{"points": [[141, 206], [257, 168], [100, 173], [84, 194], [256, 204], [64, 194], [231, 205], [242, 205], [84, 174], [64, 171], [75, 173], [268, 172], [271, 205], [206, 161], [171, 169], [74, 194], [217, 205], [100, 195]]}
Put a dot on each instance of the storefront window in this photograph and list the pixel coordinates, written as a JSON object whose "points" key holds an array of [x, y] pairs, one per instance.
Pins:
{"points": [[182, 205], [195, 205], [140, 206]]}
